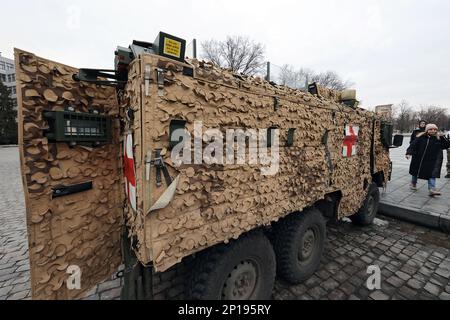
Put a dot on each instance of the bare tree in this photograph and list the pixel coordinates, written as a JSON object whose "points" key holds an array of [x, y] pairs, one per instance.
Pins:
{"points": [[331, 80], [242, 55], [287, 76], [436, 115], [211, 51], [404, 117], [237, 53], [290, 77]]}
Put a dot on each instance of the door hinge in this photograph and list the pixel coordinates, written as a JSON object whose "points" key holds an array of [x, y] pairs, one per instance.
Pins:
{"points": [[147, 78], [160, 76]]}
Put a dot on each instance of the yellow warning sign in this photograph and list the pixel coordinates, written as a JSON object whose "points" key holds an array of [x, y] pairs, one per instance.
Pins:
{"points": [[172, 47]]}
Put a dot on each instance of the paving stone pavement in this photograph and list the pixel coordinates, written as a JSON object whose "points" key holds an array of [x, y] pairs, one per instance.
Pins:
{"points": [[414, 261], [398, 192], [414, 264], [14, 264]]}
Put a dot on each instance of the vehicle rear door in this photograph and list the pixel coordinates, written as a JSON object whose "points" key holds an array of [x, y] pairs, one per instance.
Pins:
{"points": [[70, 155]]}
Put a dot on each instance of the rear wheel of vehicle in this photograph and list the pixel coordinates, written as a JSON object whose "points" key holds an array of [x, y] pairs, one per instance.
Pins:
{"points": [[366, 215], [299, 241], [241, 270]]}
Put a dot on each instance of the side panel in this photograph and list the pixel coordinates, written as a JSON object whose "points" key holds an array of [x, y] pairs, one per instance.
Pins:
{"points": [[80, 231], [351, 175], [215, 203]]}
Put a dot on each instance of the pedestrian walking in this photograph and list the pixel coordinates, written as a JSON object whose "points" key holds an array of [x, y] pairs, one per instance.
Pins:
{"points": [[447, 136], [416, 132], [425, 151]]}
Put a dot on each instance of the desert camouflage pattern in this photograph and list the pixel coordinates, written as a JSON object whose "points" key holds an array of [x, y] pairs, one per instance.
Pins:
{"points": [[81, 229], [212, 203]]}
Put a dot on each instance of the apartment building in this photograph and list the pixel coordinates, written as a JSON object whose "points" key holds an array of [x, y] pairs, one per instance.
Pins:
{"points": [[8, 76]]}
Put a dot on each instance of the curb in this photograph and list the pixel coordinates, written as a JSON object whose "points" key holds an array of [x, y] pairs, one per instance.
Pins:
{"points": [[426, 219]]}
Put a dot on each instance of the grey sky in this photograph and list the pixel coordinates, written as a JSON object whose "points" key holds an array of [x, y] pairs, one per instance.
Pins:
{"points": [[392, 50]]}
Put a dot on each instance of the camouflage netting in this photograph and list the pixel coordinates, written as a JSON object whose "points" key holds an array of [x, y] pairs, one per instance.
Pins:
{"points": [[81, 229], [216, 203], [212, 203]]}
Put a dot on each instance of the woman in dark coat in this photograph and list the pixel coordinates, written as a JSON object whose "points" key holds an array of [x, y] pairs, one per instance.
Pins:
{"points": [[425, 151], [416, 132]]}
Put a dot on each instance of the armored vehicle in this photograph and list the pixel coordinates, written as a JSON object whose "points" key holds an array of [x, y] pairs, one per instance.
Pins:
{"points": [[193, 181]]}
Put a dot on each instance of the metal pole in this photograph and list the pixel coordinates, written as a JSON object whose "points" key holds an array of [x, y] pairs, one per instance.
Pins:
{"points": [[194, 44], [268, 71]]}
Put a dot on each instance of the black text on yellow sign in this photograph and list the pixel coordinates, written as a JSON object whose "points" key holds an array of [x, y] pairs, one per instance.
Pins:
{"points": [[172, 48]]}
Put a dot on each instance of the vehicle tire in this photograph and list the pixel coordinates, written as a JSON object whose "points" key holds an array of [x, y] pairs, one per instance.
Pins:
{"points": [[242, 270], [299, 241], [366, 215]]}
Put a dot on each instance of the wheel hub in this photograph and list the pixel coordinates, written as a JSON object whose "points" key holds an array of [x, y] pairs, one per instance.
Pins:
{"points": [[307, 246], [371, 206], [241, 282]]}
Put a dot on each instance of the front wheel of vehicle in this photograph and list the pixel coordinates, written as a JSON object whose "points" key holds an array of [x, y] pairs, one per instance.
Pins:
{"points": [[299, 241]]}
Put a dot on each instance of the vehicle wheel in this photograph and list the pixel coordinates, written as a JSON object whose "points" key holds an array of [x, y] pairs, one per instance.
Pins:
{"points": [[299, 241], [241, 270], [368, 212]]}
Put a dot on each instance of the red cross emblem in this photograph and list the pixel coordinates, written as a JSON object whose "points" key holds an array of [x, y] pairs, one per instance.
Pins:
{"points": [[350, 141], [129, 172]]}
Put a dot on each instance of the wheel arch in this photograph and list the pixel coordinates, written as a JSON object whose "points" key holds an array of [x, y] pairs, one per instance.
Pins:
{"points": [[329, 206], [379, 179], [199, 284]]}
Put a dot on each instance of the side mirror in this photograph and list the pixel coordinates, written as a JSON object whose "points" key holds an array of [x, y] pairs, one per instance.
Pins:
{"points": [[398, 141], [387, 130]]}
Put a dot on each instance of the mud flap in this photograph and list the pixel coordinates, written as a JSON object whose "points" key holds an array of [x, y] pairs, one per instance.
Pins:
{"points": [[137, 278]]}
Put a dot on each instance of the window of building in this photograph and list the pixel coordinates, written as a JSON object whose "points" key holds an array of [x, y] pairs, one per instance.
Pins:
{"points": [[13, 90], [10, 66], [2, 77], [2, 66], [13, 77]]}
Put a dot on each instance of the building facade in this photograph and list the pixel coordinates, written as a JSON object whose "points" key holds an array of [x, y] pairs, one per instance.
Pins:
{"points": [[8, 76], [385, 110]]}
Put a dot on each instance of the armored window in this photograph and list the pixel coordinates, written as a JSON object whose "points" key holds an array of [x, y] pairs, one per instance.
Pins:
{"points": [[290, 137], [176, 128], [271, 132], [74, 127]]}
